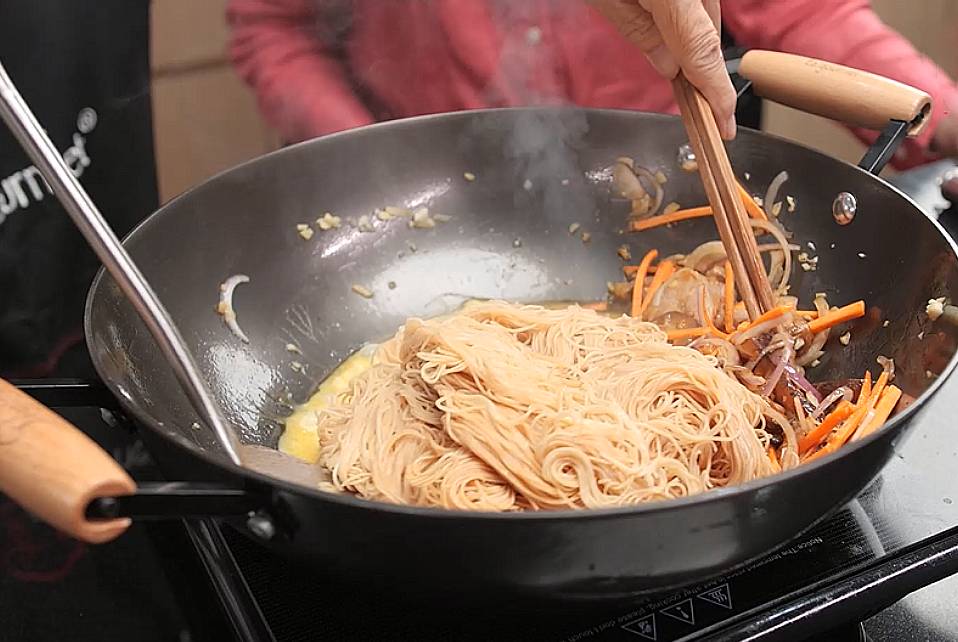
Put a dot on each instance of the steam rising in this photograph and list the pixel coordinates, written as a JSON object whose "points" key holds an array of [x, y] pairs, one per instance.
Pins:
{"points": [[542, 144]]}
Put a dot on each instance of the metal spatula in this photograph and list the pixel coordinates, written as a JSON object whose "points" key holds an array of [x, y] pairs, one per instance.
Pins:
{"points": [[85, 215]]}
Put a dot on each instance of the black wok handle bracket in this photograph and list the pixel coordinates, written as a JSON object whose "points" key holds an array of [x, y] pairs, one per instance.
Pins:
{"points": [[885, 146], [153, 501], [264, 514], [69, 393]]}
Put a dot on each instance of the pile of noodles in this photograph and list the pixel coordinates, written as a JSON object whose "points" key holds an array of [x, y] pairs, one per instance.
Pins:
{"points": [[504, 407]]}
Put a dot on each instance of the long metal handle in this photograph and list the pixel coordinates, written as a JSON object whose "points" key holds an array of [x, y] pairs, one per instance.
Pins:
{"points": [[34, 140], [849, 597]]}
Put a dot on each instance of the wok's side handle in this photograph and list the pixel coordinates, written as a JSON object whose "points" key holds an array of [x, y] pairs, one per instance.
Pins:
{"points": [[841, 93], [54, 471]]}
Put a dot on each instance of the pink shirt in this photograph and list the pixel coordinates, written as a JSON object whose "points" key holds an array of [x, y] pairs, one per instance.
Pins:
{"points": [[319, 66]]}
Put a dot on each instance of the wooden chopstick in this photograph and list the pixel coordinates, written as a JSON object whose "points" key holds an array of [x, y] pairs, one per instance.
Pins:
{"points": [[732, 222]]}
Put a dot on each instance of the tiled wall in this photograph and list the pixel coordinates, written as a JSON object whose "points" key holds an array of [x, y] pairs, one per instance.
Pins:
{"points": [[205, 119]]}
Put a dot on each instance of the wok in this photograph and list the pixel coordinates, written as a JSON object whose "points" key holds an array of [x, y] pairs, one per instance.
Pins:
{"points": [[537, 171]]}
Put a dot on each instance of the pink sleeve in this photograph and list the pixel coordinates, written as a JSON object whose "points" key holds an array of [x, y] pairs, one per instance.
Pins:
{"points": [[847, 32], [302, 89]]}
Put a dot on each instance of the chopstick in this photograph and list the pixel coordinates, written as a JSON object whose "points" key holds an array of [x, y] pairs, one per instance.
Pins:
{"points": [[734, 229]]}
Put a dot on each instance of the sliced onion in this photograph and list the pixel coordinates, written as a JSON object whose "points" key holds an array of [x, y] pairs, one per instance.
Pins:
{"points": [[800, 416], [776, 267], [747, 377], [705, 255], [708, 254], [787, 453], [780, 359], [773, 346], [625, 182], [841, 392], [796, 377], [771, 228], [641, 172], [729, 354], [674, 320], [225, 307], [814, 350], [775, 247], [762, 328], [772, 192], [887, 365]]}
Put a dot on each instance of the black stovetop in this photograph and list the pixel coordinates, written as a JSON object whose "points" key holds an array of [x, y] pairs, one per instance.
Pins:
{"points": [[203, 581]]}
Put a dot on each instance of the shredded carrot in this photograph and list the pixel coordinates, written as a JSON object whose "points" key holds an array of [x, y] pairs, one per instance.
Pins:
{"points": [[883, 409], [774, 313], [768, 316], [847, 429], [841, 315], [879, 386], [866, 390], [750, 205], [637, 306], [662, 274], [599, 306], [671, 217], [708, 317], [688, 333], [773, 458], [631, 270], [866, 403], [729, 297], [821, 431]]}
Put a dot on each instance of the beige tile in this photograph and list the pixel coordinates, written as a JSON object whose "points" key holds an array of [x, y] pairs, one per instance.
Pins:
{"points": [[204, 121], [188, 33], [932, 25]]}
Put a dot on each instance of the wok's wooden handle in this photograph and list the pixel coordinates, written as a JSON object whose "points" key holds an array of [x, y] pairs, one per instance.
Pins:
{"points": [[841, 93], [53, 470]]}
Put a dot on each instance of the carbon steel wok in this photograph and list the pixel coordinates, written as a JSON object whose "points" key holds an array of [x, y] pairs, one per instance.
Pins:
{"points": [[538, 171]]}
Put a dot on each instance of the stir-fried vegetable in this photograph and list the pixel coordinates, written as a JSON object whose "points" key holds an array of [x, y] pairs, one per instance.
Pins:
{"points": [[693, 298], [766, 354], [841, 315], [671, 217], [640, 282], [729, 291], [751, 206]]}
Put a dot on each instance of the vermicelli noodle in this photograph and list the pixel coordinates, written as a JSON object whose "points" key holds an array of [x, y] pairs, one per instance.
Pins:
{"points": [[505, 407]]}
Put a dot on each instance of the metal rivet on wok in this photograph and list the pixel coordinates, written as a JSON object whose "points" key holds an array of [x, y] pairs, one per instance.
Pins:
{"points": [[261, 526], [844, 207]]}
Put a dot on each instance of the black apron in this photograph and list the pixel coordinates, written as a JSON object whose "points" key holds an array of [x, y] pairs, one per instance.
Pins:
{"points": [[83, 67]]}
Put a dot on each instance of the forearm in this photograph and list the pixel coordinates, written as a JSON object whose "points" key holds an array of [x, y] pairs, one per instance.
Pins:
{"points": [[302, 89]]}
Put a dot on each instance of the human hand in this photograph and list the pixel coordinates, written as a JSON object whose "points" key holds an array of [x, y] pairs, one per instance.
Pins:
{"points": [[680, 35], [945, 139]]}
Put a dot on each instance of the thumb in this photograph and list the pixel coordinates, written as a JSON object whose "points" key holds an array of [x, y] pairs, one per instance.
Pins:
{"points": [[690, 34]]}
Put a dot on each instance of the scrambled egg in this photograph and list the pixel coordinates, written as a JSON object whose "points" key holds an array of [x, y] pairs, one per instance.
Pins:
{"points": [[299, 439]]}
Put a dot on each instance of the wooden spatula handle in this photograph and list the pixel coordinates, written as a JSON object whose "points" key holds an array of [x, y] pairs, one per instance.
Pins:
{"points": [[841, 93], [53, 470]]}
